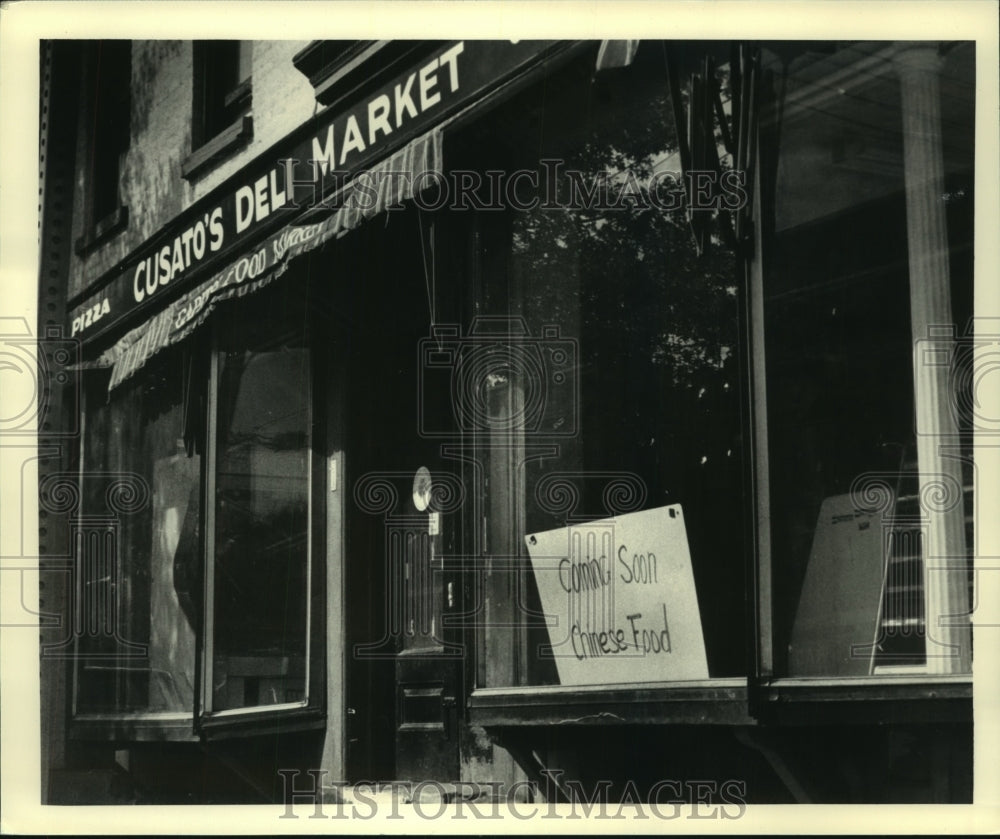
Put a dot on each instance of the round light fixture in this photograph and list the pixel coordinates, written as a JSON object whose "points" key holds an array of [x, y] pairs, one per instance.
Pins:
{"points": [[422, 489]]}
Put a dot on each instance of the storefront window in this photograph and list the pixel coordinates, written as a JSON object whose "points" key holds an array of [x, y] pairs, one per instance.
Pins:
{"points": [[260, 561], [867, 178], [614, 443], [138, 542], [142, 604]]}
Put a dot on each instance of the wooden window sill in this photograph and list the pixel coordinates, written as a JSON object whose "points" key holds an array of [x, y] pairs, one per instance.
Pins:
{"points": [[179, 727], [223, 144], [102, 231], [713, 702], [873, 700], [136, 727]]}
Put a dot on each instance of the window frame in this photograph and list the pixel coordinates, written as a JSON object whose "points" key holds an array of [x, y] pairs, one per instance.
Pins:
{"points": [[779, 698], [102, 224], [200, 721], [913, 696], [711, 701], [210, 143], [207, 714], [124, 725]]}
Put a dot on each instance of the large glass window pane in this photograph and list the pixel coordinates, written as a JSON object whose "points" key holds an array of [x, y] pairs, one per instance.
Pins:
{"points": [[622, 399], [261, 545], [849, 507], [138, 542]]}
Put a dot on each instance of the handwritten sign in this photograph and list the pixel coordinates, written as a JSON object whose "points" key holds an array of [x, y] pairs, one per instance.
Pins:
{"points": [[619, 599]]}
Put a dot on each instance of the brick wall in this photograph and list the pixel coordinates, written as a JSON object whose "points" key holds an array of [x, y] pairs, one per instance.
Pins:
{"points": [[151, 182]]}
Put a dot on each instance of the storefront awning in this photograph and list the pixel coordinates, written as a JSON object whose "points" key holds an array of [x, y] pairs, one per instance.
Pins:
{"points": [[397, 179], [388, 184]]}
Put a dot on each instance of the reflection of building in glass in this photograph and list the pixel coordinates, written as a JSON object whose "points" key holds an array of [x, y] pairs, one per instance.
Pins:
{"points": [[661, 296]]}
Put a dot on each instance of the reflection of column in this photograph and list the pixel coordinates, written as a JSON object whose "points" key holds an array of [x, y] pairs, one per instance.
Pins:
{"points": [[172, 565], [945, 592]]}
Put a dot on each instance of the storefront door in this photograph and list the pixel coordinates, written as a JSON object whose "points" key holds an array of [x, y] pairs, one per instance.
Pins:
{"points": [[403, 501], [427, 683]]}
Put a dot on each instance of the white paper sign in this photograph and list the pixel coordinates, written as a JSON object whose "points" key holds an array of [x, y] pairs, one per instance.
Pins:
{"points": [[619, 599]]}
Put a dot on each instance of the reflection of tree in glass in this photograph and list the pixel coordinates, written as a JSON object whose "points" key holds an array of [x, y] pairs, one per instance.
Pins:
{"points": [[656, 326], [655, 322], [633, 263]]}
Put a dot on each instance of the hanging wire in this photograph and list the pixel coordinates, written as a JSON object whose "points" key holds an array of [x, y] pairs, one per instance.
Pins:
{"points": [[429, 284]]}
